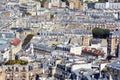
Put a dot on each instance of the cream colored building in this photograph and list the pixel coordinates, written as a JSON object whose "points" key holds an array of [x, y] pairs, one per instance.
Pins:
{"points": [[112, 43], [76, 50], [86, 40], [55, 3], [63, 4], [71, 5]]}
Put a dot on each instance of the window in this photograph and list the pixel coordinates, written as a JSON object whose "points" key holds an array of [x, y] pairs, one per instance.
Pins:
{"points": [[24, 69], [30, 68], [16, 69], [40, 65], [8, 68]]}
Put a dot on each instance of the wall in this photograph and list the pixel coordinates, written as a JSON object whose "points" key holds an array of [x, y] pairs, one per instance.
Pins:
{"points": [[78, 66], [76, 50]]}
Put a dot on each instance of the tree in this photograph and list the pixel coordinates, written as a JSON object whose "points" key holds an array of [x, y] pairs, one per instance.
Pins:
{"points": [[97, 32], [51, 16], [101, 1], [27, 39], [105, 69], [27, 13], [106, 33], [100, 33], [86, 1]]}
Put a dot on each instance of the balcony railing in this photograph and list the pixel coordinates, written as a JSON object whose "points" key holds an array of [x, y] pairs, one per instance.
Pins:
{"points": [[23, 77], [23, 70], [9, 70]]}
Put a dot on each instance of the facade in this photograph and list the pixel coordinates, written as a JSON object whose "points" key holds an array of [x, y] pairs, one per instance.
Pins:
{"points": [[62, 46], [20, 72], [113, 43], [86, 40], [9, 45], [71, 5], [73, 71], [77, 4], [118, 51], [4, 50], [52, 68]]}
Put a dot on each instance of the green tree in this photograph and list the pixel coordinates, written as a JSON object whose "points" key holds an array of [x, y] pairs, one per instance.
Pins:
{"points": [[27, 39], [100, 33], [86, 2], [12, 62], [101, 1], [105, 69], [51, 16], [27, 13], [97, 32], [106, 33]]}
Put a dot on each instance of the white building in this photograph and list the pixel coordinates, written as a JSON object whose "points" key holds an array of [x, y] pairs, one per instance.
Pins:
{"points": [[83, 65], [76, 50], [55, 3]]}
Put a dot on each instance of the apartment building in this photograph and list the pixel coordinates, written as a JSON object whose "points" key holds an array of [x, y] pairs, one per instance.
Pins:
{"points": [[29, 71], [113, 43], [114, 70]]}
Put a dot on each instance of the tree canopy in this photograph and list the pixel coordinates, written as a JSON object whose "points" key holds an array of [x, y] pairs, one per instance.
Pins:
{"points": [[100, 33], [27, 39], [51, 16], [101, 1], [12, 62]]}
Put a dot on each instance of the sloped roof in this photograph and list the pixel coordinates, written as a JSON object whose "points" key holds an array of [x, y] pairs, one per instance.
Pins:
{"points": [[15, 42]]}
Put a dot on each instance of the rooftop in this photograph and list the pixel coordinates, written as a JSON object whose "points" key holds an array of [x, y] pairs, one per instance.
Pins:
{"points": [[15, 42], [95, 41], [93, 52], [115, 64]]}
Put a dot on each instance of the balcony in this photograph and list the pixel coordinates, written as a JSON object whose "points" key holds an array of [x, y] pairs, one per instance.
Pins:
{"points": [[23, 70], [10, 77], [9, 71], [23, 77], [31, 75], [7, 76]]}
